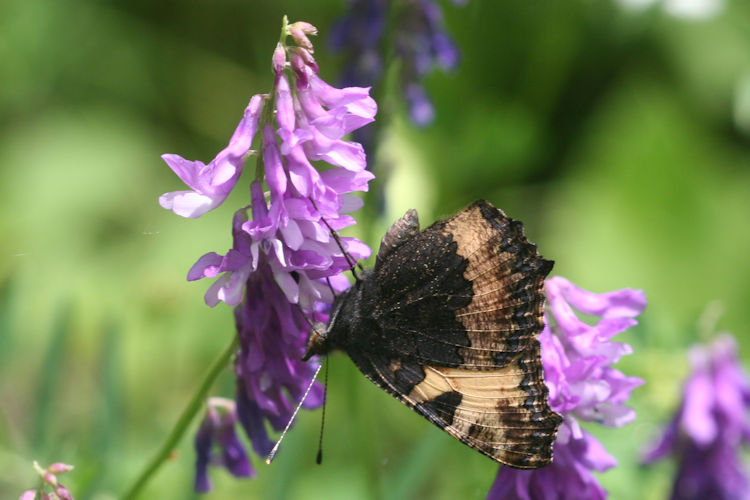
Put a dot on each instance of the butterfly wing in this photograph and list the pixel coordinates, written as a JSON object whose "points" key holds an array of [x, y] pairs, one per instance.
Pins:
{"points": [[459, 307], [502, 413], [465, 292]]}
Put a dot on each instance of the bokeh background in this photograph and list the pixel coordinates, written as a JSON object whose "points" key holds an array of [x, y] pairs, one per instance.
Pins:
{"points": [[618, 131]]}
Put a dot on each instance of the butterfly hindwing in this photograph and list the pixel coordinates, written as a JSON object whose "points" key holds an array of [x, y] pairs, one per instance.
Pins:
{"points": [[502, 413]]}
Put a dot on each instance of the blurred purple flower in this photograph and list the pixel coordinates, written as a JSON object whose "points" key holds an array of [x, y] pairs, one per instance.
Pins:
{"points": [[218, 428], [286, 261], [710, 426], [359, 34], [577, 359], [420, 42], [417, 35]]}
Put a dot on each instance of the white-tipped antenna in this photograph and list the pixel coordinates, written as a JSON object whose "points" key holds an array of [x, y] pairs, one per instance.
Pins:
{"points": [[275, 449]]}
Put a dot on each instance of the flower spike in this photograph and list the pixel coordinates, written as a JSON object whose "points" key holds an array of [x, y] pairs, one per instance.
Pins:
{"points": [[287, 260]]}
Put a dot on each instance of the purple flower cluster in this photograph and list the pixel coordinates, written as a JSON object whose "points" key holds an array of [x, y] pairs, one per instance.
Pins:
{"points": [[286, 261], [419, 39], [360, 34], [583, 385], [49, 482], [710, 427]]}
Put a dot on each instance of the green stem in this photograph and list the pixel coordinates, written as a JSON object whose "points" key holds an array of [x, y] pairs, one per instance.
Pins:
{"points": [[284, 30], [182, 424]]}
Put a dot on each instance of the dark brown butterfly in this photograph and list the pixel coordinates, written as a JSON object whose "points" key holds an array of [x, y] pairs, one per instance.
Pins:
{"points": [[447, 322]]}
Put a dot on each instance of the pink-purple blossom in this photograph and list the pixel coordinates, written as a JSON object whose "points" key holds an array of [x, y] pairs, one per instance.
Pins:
{"points": [[50, 488], [710, 428], [567, 477], [211, 184], [286, 260], [583, 386]]}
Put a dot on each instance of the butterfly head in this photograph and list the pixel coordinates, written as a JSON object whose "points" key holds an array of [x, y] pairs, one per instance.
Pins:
{"points": [[322, 340], [318, 342]]}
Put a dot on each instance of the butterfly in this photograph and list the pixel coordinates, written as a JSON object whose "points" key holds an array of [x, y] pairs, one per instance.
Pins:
{"points": [[447, 323]]}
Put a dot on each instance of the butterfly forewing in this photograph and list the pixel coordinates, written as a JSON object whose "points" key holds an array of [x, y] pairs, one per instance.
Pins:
{"points": [[467, 291]]}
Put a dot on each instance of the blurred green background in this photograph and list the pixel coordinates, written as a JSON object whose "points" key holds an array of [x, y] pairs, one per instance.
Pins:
{"points": [[620, 136]]}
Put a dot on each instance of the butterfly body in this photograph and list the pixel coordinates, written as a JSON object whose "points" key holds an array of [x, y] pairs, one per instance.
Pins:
{"points": [[447, 322]]}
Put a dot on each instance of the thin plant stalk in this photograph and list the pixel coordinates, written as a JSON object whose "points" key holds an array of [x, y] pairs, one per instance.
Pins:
{"points": [[196, 403]]}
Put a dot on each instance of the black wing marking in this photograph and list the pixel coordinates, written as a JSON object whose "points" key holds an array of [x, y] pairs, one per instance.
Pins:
{"points": [[466, 292]]}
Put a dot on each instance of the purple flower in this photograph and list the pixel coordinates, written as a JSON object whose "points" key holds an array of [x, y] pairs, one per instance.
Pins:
{"points": [[218, 428], [212, 183], [578, 357], [287, 261], [269, 367], [710, 426], [583, 385], [567, 477]]}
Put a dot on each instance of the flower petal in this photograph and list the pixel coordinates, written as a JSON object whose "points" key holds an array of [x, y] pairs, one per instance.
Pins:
{"points": [[188, 203], [205, 267]]}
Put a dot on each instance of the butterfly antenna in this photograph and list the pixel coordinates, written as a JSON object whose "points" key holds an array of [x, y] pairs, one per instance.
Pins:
{"points": [[302, 312], [353, 265], [330, 286], [319, 456], [275, 449]]}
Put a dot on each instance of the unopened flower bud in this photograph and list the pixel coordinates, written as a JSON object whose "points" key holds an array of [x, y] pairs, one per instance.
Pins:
{"points": [[304, 27], [301, 38], [279, 59], [63, 493], [59, 468], [28, 495]]}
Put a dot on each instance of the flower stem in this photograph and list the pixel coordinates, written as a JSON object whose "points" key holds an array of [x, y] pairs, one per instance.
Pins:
{"points": [[284, 30], [196, 403]]}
